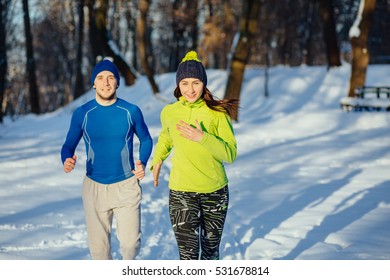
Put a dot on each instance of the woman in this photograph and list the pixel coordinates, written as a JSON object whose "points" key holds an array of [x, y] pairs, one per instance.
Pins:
{"points": [[199, 129]]}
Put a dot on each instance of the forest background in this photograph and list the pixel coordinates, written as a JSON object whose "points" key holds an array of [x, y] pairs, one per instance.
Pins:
{"points": [[49, 47]]}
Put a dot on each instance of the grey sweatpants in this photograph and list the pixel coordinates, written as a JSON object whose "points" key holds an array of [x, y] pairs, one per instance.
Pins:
{"points": [[102, 202]]}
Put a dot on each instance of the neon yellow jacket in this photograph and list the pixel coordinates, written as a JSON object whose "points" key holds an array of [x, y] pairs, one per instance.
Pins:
{"points": [[196, 167]]}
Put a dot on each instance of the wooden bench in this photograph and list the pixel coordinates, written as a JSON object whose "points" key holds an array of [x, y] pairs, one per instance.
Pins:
{"points": [[368, 98]]}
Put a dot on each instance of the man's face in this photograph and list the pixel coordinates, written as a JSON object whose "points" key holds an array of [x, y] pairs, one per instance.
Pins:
{"points": [[105, 85]]}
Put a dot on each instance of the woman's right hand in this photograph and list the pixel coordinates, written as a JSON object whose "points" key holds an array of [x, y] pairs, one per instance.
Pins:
{"points": [[156, 173]]}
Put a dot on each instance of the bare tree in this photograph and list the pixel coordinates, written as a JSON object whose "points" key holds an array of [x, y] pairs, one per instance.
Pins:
{"points": [[131, 20], [30, 63], [289, 49], [359, 37], [143, 42], [379, 41], [101, 42], [184, 30], [4, 8], [241, 51], [330, 35], [78, 89], [217, 33]]}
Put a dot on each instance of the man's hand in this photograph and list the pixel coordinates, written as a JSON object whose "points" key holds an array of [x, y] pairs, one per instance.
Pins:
{"points": [[190, 132], [156, 173], [139, 171], [69, 164]]}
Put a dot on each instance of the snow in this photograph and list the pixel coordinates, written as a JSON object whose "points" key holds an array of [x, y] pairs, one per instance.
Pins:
{"points": [[311, 182]]}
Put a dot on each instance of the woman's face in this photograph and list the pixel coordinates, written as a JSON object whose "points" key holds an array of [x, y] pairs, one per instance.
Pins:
{"points": [[191, 89]]}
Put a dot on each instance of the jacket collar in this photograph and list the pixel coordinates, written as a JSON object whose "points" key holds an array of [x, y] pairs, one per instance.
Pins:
{"points": [[198, 103]]}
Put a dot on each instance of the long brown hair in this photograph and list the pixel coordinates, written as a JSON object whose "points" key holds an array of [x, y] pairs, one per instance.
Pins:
{"points": [[221, 105]]}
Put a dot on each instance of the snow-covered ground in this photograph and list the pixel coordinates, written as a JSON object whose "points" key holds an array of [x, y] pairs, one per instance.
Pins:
{"points": [[310, 181]]}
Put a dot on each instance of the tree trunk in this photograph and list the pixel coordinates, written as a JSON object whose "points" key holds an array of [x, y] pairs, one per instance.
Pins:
{"points": [[79, 83], [241, 52], [330, 35], [30, 63], [143, 43], [4, 6], [101, 41], [359, 36]]}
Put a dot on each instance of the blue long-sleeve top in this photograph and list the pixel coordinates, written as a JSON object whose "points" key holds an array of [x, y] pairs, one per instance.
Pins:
{"points": [[108, 133]]}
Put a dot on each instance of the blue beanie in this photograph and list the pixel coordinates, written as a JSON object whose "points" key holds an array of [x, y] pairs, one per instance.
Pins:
{"points": [[191, 67], [105, 65]]}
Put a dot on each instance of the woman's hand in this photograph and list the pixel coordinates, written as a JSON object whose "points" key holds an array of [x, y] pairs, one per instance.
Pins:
{"points": [[156, 173], [190, 132]]}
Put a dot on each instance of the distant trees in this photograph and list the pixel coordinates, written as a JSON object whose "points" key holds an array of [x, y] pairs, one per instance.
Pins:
{"points": [[59, 52], [67, 37]]}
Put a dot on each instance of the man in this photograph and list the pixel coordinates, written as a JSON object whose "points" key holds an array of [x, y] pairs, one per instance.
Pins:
{"points": [[111, 185]]}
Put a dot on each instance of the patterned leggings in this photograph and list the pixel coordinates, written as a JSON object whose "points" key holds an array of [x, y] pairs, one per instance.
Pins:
{"points": [[198, 218]]}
